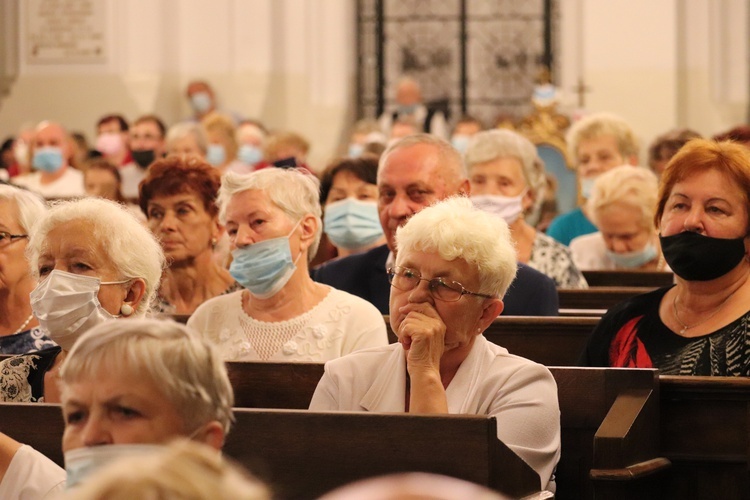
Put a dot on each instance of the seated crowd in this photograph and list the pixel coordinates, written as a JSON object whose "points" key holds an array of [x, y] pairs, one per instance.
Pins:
{"points": [[223, 224]]}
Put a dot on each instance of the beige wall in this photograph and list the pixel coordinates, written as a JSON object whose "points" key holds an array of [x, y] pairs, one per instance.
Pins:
{"points": [[291, 63]]}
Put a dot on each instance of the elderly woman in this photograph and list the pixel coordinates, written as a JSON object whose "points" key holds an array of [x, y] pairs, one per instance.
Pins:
{"points": [[622, 205], [94, 262], [453, 264], [177, 197], [507, 180], [272, 217], [19, 329], [349, 197], [698, 326], [138, 382], [187, 138], [222, 144]]}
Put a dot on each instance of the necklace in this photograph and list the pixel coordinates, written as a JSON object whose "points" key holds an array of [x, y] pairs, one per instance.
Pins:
{"points": [[28, 320], [688, 327]]}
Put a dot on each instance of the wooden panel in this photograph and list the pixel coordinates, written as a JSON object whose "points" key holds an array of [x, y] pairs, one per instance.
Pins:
{"points": [[597, 298], [653, 279]]}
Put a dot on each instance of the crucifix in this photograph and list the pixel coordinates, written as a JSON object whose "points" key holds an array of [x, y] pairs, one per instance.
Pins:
{"points": [[581, 90]]}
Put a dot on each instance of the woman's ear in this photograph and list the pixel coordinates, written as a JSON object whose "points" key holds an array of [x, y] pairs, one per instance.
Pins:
{"points": [[309, 227], [212, 435], [135, 294], [527, 202], [491, 309]]}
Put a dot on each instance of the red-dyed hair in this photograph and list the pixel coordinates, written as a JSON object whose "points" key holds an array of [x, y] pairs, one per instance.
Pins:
{"points": [[176, 175]]}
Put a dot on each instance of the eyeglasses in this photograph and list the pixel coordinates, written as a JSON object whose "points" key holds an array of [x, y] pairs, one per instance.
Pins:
{"points": [[407, 280], [7, 238]]}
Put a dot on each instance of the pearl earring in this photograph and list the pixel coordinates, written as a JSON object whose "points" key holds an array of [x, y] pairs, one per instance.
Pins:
{"points": [[126, 310], [214, 241]]}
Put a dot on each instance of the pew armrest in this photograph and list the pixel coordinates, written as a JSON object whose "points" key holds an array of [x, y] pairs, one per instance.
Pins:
{"points": [[632, 472]]}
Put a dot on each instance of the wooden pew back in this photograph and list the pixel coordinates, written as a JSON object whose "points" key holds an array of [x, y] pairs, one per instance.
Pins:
{"points": [[652, 279], [303, 454], [598, 298], [551, 341]]}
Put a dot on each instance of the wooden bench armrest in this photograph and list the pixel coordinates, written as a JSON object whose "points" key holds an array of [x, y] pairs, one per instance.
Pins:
{"points": [[630, 432], [632, 472]]}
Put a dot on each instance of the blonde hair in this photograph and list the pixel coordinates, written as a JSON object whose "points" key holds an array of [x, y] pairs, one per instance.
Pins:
{"points": [[455, 229], [295, 191], [223, 125], [280, 140], [180, 364], [602, 124], [131, 247], [632, 186], [183, 469]]}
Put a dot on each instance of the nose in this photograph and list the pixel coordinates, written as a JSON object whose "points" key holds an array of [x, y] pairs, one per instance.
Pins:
{"points": [[694, 220], [619, 246], [96, 432], [244, 237], [168, 221], [401, 207], [421, 293]]}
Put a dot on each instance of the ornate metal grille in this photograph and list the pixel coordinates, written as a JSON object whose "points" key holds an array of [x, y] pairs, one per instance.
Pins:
{"points": [[483, 56]]}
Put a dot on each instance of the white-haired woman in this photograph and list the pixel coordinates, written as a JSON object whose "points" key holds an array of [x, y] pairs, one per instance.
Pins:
{"points": [[19, 330], [454, 263], [187, 138], [94, 261], [272, 217], [622, 205], [141, 382], [507, 180]]}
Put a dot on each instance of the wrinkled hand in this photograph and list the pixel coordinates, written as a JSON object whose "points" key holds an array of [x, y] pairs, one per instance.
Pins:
{"points": [[422, 334]]}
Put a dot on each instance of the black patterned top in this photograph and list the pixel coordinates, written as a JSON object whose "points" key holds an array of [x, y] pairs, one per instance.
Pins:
{"points": [[22, 377], [554, 259], [632, 335], [29, 341]]}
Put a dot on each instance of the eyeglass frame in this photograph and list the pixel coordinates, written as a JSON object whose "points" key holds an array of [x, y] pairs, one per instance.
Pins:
{"points": [[432, 284], [11, 238]]}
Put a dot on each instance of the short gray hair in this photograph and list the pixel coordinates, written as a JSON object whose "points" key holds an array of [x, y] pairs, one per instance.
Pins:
{"points": [[598, 125], [134, 251], [184, 367], [295, 191], [30, 206], [491, 145], [184, 129], [454, 228], [633, 186], [450, 158]]}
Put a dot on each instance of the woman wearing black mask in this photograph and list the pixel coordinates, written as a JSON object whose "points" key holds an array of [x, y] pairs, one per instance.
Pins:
{"points": [[697, 326]]}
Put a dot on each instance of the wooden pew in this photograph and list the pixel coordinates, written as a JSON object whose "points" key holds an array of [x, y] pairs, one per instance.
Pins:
{"points": [[303, 454], [551, 341], [653, 279], [705, 432], [598, 298]]}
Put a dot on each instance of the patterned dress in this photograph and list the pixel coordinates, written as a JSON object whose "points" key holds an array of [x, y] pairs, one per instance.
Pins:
{"points": [[29, 341], [555, 260], [22, 377], [631, 335]]}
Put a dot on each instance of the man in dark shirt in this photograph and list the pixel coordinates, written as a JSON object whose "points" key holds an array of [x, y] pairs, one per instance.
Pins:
{"points": [[414, 173]]}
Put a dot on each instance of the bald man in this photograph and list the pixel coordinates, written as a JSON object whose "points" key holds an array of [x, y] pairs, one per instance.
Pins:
{"points": [[51, 152], [410, 109], [414, 173]]}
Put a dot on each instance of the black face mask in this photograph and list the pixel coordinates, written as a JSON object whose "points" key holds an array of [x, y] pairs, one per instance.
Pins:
{"points": [[144, 157], [694, 257]]}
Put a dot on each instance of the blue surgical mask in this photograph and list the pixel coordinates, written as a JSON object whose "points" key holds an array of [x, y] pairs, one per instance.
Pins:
{"points": [[460, 142], [249, 154], [264, 268], [587, 186], [83, 463], [216, 155], [407, 109], [355, 150], [633, 260], [352, 224], [49, 159], [201, 102]]}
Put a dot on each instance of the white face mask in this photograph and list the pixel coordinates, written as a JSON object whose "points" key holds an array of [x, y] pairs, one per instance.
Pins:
{"points": [[67, 305], [509, 208], [83, 462]]}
